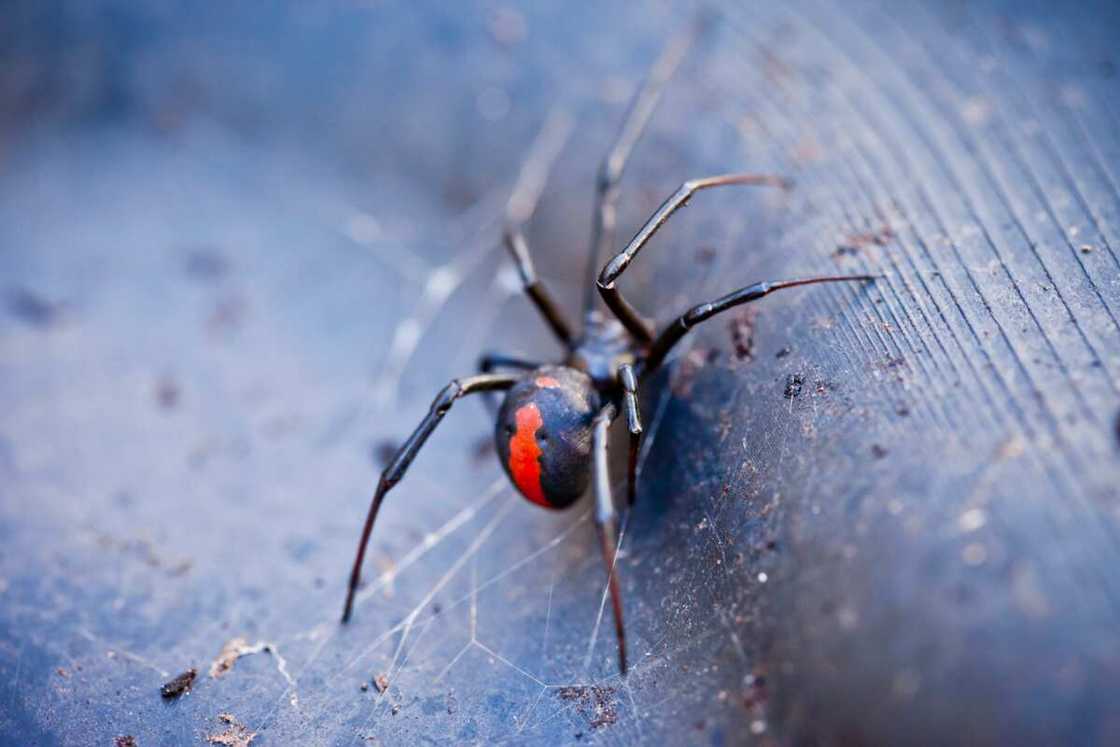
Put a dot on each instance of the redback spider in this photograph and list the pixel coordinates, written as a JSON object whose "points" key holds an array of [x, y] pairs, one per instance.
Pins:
{"points": [[551, 429]]}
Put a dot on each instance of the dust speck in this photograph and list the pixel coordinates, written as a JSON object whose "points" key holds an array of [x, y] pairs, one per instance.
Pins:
{"points": [[236, 734], [794, 383], [179, 685], [596, 703]]}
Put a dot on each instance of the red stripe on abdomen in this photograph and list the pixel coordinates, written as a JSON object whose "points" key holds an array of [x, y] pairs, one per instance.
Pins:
{"points": [[525, 453]]}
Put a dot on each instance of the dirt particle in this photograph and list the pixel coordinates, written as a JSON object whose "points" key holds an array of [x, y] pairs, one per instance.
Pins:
{"points": [[782, 353], [854, 242], [125, 741], [687, 369], [236, 733], [395, 709], [1086, 248], [62, 672], [742, 333], [364, 687], [483, 449], [794, 382], [206, 265], [167, 393], [705, 255], [877, 451], [596, 703], [33, 309], [381, 682], [229, 313], [179, 685], [233, 650], [383, 452]]}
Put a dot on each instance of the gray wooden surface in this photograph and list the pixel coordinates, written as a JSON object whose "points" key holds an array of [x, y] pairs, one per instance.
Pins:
{"points": [[240, 250]]}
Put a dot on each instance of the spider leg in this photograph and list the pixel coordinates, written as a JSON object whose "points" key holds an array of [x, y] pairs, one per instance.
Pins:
{"points": [[626, 313], [407, 452], [672, 334], [519, 211], [634, 424], [610, 170], [606, 521], [519, 249], [490, 361]]}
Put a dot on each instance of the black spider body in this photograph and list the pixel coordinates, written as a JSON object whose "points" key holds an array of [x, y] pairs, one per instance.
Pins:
{"points": [[543, 435], [551, 430]]}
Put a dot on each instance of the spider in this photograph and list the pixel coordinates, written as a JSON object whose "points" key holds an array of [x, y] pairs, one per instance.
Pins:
{"points": [[551, 429]]}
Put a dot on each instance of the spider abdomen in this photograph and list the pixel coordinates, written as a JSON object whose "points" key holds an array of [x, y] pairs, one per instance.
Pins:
{"points": [[544, 435]]}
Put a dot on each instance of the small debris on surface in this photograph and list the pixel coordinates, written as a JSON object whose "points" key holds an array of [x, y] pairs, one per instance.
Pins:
{"points": [[125, 741], [687, 368], [228, 314], [179, 685], [364, 687], [235, 735], [483, 449], [1086, 248], [783, 353], [596, 703], [32, 309], [794, 382], [206, 265], [878, 451], [61, 672], [383, 452], [145, 551], [167, 393], [381, 682], [742, 333], [853, 243], [234, 649], [705, 255], [756, 694], [395, 709]]}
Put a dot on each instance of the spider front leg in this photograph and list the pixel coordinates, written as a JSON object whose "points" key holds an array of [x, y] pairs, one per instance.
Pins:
{"points": [[614, 163], [519, 211], [634, 424], [518, 248], [606, 521], [626, 313], [673, 333], [407, 452]]}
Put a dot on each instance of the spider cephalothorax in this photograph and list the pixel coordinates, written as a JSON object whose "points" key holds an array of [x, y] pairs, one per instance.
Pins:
{"points": [[552, 427]]}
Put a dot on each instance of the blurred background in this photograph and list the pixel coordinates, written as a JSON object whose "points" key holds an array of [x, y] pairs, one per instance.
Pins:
{"points": [[242, 245]]}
